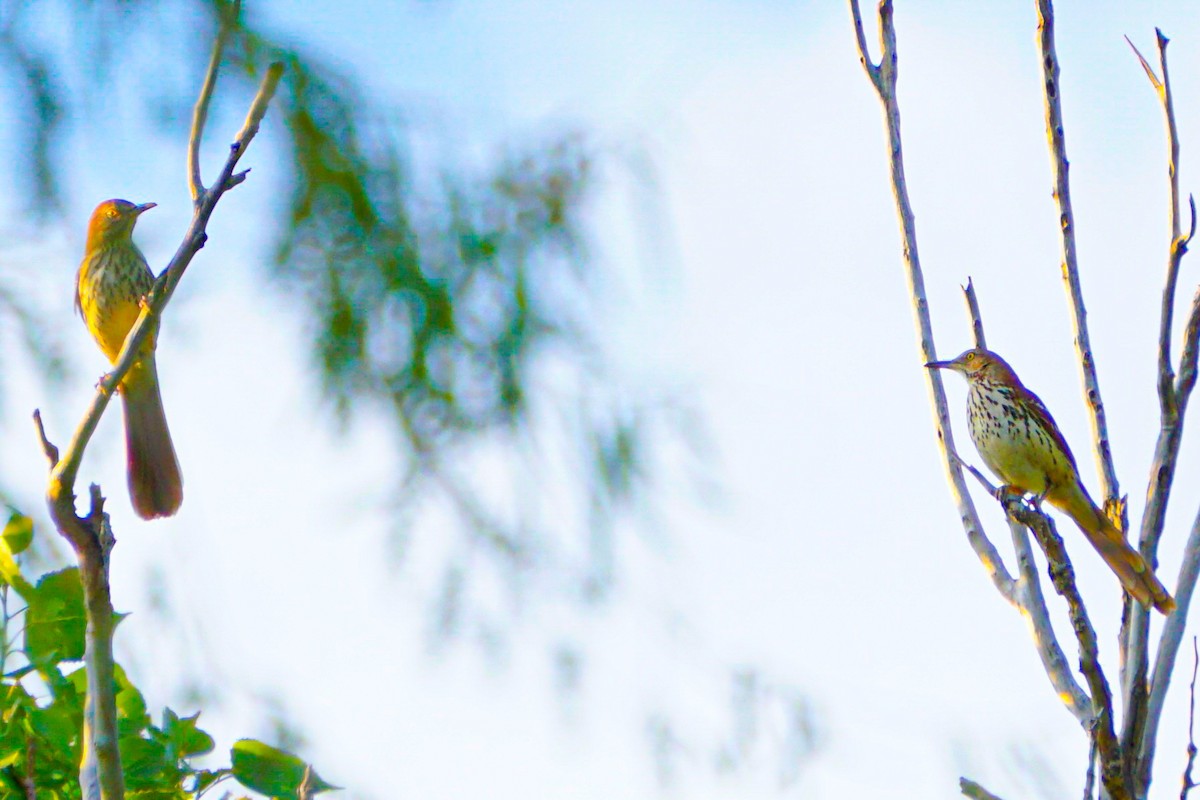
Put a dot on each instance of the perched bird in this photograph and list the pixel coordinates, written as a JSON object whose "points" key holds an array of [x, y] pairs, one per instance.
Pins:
{"points": [[1018, 440], [112, 281]]}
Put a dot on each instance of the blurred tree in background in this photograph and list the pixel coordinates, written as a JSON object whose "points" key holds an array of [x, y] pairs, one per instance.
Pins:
{"points": [[460, 302]]}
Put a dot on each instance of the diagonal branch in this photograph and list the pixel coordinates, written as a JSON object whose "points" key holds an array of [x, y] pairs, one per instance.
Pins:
{"points": [[883, 76], [1029, 600], [62, 478], [1062, 574]]}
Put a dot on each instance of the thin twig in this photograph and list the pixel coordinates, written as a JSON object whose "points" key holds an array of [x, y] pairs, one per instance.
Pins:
{"points": [[1062, 575], [1188, 783], [229, 17], [976, 318], [48, 449], [1089, 782]]}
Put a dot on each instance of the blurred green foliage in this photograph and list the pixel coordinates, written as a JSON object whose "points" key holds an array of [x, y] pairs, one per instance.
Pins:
{"points": [[457, 301], [42, 693]]}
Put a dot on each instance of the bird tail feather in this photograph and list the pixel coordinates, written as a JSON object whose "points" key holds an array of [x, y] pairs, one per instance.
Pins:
{"points": [[155, 483], [1126, 563]]}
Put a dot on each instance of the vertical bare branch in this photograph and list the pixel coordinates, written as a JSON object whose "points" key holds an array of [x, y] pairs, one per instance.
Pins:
{"points": [[1168, 649], [1070, 266], [1089, 782], [1188, 783]]}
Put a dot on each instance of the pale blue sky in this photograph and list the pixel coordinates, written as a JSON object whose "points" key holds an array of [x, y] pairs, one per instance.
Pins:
{"points": [[834, 559]]}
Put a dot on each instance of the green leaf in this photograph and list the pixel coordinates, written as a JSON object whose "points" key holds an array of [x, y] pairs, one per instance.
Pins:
{"points": [[57, 726], [55, 621], [143, 762], [205, 779], [184, 737], [271, 771], [10, 573], [18, 533]]}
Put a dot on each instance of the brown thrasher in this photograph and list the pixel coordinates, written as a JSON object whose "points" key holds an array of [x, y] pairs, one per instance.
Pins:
{"points": [[112, 281], [1018, 440]]}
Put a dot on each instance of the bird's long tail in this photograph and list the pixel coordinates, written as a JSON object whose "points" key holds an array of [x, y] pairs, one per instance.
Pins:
{"points": [[1132, 570], [155, 484]]}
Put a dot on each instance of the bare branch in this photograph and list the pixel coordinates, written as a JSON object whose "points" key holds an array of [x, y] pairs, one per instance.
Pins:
{"points": [[1168, 648], [884, 79], [864, 57], [1188, 783], [229, 17], [1062, 575], [1070, 267], [1089, 783], [1032, 604], [48, 449], [973, 310]]}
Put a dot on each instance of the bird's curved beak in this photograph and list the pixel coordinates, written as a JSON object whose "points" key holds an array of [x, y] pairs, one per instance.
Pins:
{"points": [[940, 365], [144, 207]]}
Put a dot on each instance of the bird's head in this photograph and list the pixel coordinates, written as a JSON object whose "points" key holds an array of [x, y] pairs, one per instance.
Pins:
{"points": [[979, 364], [113, 221]]}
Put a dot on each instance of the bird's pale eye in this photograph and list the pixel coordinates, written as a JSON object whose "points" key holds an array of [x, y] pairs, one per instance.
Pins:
{"points": [[113, 213]]}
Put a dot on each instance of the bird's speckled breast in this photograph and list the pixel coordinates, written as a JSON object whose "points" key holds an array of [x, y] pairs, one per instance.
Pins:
{"points": [[1013, 442]]}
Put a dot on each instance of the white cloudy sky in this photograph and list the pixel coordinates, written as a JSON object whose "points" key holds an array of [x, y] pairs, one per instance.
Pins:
{"points": [[834, 559]]}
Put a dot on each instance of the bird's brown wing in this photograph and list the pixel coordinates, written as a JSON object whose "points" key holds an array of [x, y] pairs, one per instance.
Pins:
{"points": [[1038, 409]]}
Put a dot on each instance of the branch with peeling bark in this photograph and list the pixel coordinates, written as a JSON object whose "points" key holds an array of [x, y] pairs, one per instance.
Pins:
{"points": [[91, 536]]}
